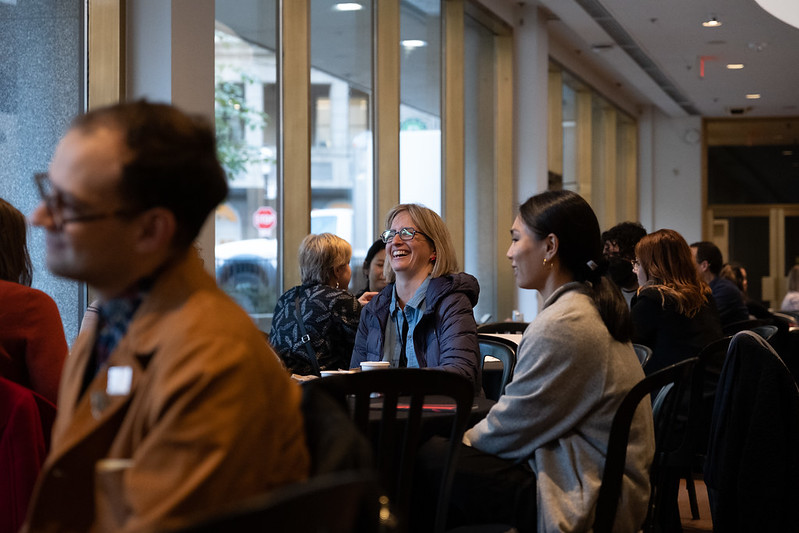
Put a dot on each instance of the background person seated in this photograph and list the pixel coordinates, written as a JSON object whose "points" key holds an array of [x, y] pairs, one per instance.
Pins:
{"points": [[736, 273], [729, 300], [791, 300], [536, 460], [373, 266], [424, 317], [673, 312], [619, 248], [32, 342], [329, 313]]}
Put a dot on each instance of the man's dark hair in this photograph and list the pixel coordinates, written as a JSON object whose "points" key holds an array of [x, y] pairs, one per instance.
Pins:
{"points": [[707, 251], [625, 235], [173, 162]]}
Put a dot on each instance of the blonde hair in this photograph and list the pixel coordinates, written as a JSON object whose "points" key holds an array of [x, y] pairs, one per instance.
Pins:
{"points": [[428, 222], [793, 278], [319, 255]]}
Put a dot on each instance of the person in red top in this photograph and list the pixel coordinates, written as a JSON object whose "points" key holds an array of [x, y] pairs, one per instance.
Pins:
{"points": [[32, 342]]}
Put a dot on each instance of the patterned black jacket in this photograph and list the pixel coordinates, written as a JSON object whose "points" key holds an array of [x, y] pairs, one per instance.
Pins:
{"points": [[330, 317]]}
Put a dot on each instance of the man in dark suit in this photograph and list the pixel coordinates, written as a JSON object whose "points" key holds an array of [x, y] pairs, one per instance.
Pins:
{"points": [[729, 300]]}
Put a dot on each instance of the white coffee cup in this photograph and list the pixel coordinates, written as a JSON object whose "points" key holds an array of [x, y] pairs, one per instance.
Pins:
{"points": [[375, 365]]}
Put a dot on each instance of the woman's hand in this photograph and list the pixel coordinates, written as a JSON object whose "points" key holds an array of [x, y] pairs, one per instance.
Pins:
{"points": [[364, 299]]}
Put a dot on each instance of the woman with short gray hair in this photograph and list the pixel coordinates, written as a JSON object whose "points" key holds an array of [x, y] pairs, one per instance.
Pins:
{"points": [[314, 324]]}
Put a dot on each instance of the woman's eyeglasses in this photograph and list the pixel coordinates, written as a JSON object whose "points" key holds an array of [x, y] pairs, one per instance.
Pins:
{"points": [[406, 234]]}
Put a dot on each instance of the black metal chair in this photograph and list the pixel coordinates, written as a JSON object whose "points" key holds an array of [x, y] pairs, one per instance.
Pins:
{"points": [[398, 438], [735, 327], [502, 349], [767, 331], [753, 456], [502, 327], [613, 474], [343, 502], [694, 410], [644, 353]]}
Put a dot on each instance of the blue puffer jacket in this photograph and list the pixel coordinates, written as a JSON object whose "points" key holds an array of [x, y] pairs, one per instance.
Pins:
{"points": [[446, 336]]}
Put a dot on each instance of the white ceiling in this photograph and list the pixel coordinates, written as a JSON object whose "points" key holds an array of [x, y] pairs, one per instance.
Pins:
{"points": [[670, 34]]}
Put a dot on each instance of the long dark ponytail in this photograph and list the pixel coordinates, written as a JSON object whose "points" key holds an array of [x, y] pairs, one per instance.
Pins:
{"points": [[572, 220]]}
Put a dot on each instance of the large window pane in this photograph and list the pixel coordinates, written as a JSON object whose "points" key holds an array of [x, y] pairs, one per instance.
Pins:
{"points": [[246, 124], [479, 191], [420, 102], [341, 137], [41, 89]]}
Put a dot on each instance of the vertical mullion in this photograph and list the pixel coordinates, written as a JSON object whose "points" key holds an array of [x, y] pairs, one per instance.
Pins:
{"points": [[294, 143], [106, 52], [386, 69], [452, 138], [503, 167]]}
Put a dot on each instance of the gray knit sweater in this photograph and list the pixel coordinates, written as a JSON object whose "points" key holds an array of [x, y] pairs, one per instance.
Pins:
{"points": [[570, 378]]}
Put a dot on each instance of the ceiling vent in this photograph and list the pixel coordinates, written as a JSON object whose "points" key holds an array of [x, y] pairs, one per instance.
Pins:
{"points": [[603, 17], [739, 111]]}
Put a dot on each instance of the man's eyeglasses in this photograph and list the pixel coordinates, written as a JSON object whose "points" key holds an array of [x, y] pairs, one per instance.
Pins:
{"points": [[406, 234], [64, 211]]}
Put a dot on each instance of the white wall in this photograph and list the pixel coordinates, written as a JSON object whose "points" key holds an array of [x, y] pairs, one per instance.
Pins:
{"points": [[673, 197]]}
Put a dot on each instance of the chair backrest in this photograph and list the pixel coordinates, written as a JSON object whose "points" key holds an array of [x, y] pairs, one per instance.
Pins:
{"points": [[767, 331], [644, 353], [753, 456], [610, 490], [397, 439], [504, 350], [343, 502], [734, 327], [502, 327]]}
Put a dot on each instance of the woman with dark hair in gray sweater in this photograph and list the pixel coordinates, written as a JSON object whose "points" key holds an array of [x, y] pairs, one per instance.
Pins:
{"points": [[536, 460]]}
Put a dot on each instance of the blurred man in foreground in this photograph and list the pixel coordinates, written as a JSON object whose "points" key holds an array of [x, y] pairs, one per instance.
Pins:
{"points": [[173, 404]]}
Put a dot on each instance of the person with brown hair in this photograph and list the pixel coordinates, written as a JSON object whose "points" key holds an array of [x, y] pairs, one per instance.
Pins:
{"points": [[32, 342], [172, 404], [674, 312]]}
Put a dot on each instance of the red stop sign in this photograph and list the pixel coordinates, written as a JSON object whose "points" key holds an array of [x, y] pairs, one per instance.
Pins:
{"points": [[264, 217]]}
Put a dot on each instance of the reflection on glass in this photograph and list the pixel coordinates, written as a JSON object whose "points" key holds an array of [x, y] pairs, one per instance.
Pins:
{"points": [[341, 136], [246, 124], [479, 195], [570, 138], [420, 102], [41, 90]]}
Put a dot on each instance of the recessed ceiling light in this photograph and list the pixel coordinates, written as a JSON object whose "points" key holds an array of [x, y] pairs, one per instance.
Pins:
{"points": [[752, 96], [713, 22], [348, 6], [735, 66], [410, 44]]}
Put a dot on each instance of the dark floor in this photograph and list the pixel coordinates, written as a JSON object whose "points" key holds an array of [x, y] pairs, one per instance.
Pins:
{"points": [[704, 523]]}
